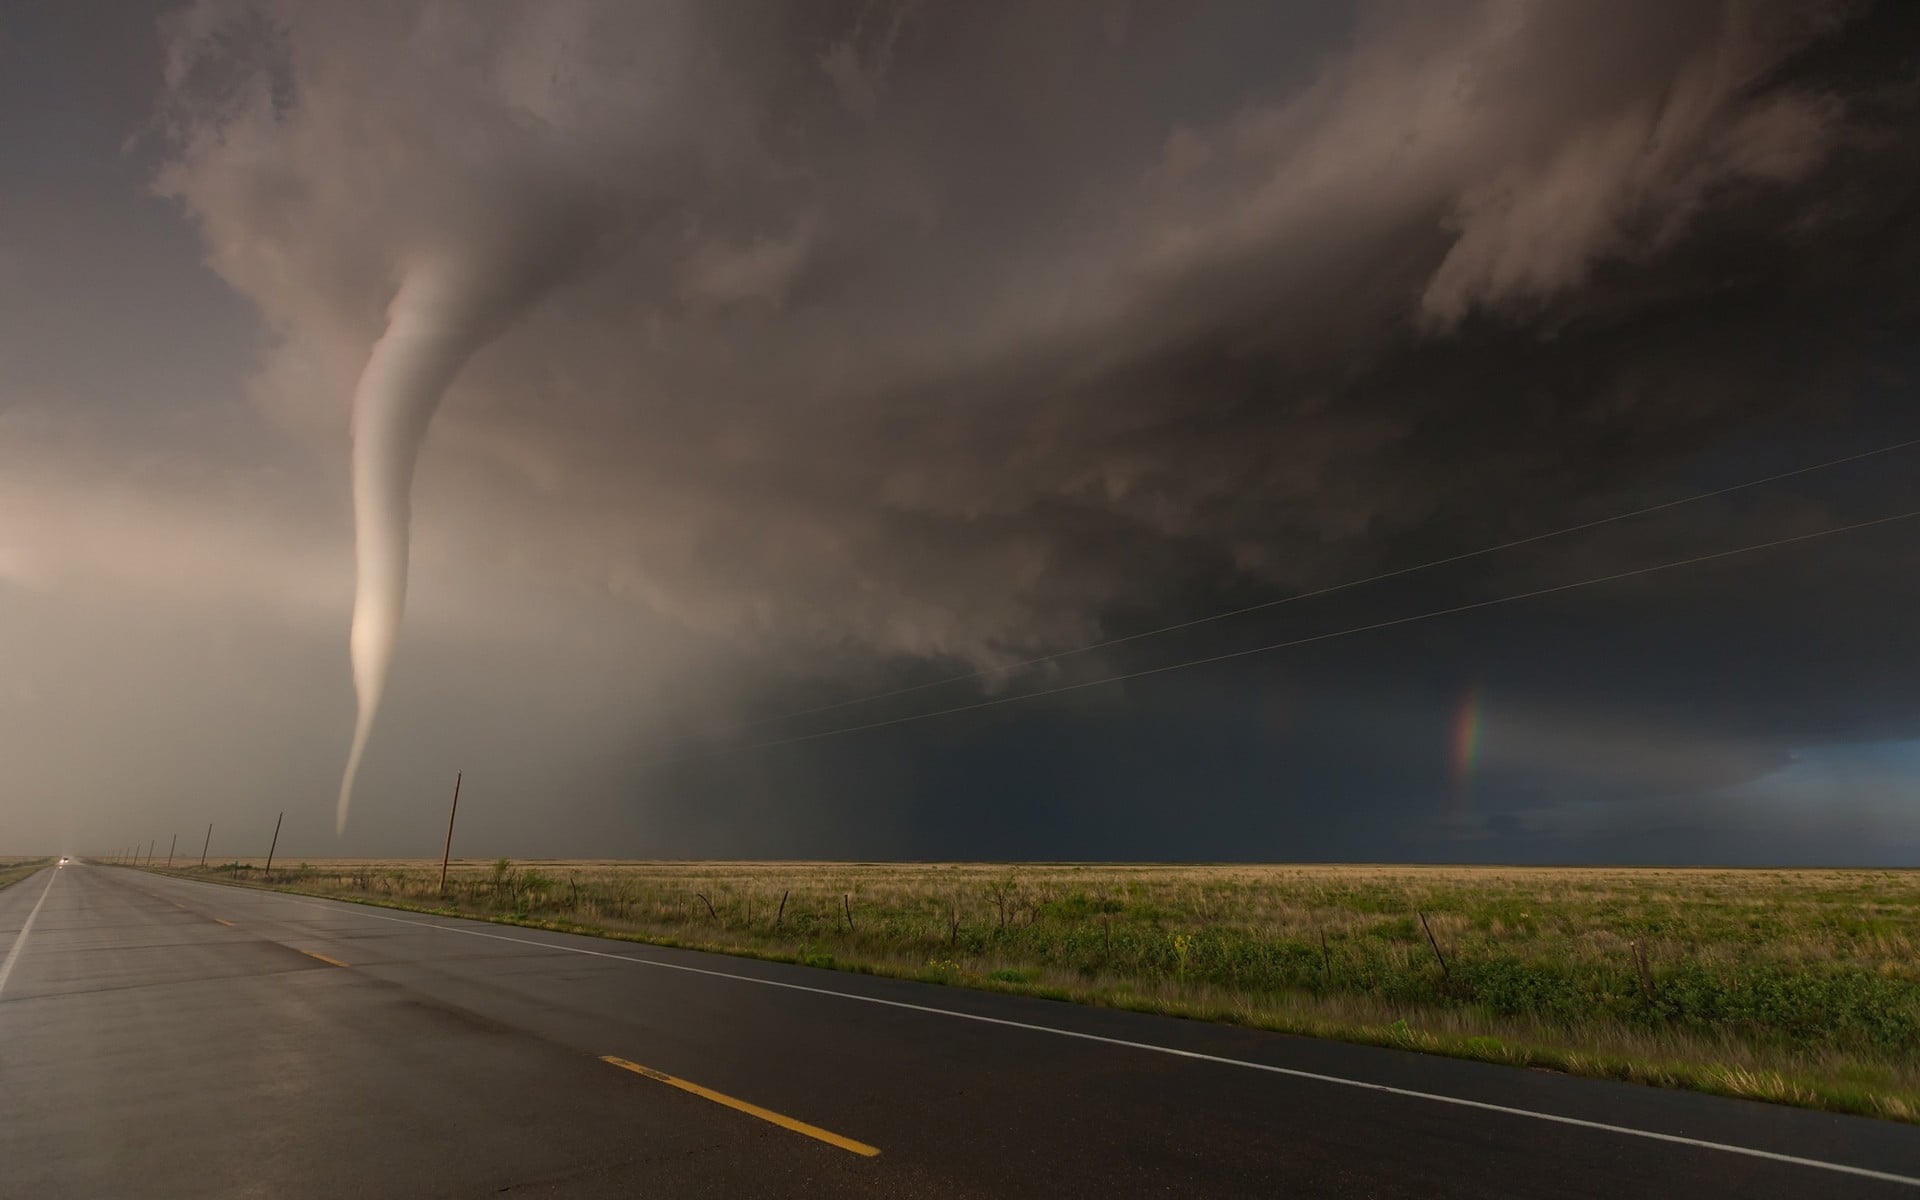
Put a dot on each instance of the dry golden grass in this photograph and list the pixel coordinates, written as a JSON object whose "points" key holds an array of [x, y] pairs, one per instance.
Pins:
{"points": [[13, 870]]}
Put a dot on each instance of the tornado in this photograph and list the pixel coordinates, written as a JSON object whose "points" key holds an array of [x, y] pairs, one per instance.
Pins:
{"points": [[444, 310]]}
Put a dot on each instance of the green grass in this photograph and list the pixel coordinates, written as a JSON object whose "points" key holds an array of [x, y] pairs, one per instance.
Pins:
{"points": [[13, 870], [1800, 987]]}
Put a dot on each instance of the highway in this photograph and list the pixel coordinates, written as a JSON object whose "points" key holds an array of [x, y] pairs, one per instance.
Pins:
{"points": [[162, 1037]]}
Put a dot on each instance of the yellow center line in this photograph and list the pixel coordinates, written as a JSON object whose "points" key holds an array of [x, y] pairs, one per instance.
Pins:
{"points": [[332, 962], [224, 921], [752, 1110]]}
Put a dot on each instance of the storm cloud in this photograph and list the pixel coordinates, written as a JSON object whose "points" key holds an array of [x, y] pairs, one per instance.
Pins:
{"points": [[870, 343]]}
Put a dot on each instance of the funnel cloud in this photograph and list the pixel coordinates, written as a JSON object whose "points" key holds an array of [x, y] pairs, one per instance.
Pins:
{"points": [[776, 355], [444, 310]]}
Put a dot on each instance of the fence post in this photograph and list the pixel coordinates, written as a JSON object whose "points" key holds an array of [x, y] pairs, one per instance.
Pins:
{"points": [[1444, 973], [1646, 975]]}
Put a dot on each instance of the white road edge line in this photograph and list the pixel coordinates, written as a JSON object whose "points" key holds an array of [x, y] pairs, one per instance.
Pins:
{"points": [[1291, 1072], [20, 940]]}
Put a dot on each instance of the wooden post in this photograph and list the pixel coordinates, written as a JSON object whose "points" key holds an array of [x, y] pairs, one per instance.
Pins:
{"points": [[170, 846], [205, 844], [1444, 973], [1646, 975], [268, 873], [783, 908], [447, 854]]}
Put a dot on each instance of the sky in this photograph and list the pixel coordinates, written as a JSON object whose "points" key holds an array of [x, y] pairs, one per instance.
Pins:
{"points": [[694, 366]]}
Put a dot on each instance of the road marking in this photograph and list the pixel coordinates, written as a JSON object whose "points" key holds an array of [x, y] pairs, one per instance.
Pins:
{"points": [[332, 962], [26, 927], [177, 904], [752, 1110], [224, 921], [1912, 1181]]}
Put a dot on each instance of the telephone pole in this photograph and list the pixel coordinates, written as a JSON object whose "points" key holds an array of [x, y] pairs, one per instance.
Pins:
{"points": [[268, 874], [447, 854], [205, 844]]}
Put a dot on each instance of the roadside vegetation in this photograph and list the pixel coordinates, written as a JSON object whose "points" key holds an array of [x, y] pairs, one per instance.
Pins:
{"points": [[13, 870], [1800, 987]]}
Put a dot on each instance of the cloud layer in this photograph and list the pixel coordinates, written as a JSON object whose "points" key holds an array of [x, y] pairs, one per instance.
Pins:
{"points": [[852, 336], [862, 354]]}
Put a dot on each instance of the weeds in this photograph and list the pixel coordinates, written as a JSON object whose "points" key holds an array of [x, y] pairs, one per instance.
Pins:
{"points": [[1801, 987], [13, 870]]}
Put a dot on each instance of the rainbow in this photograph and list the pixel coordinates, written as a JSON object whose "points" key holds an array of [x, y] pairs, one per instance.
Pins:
{"points": [[1467, 721]]}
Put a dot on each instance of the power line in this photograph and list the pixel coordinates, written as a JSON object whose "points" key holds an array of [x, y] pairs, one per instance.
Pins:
{"points": [[1318, 637], [1338, 587]]}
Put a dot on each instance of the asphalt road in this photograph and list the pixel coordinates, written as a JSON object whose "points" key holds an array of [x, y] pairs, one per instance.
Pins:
{"points": [[161, 1037]]}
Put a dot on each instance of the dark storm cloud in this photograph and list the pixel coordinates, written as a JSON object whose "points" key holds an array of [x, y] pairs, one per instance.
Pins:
{"points": [[959, 332], [872, 355]]}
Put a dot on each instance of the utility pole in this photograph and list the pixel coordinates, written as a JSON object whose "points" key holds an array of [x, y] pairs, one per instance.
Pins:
{"points": [[205, 844], [170, 846], [150, 844], [447, 854], [276, 845]]}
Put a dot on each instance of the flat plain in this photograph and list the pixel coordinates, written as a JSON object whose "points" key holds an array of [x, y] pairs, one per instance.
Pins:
{"points": [[1795, 986], [13, 870]]}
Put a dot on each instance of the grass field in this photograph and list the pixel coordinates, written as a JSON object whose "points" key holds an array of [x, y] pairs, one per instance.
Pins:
{"points": [[1795, 986], [13, 870]]}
